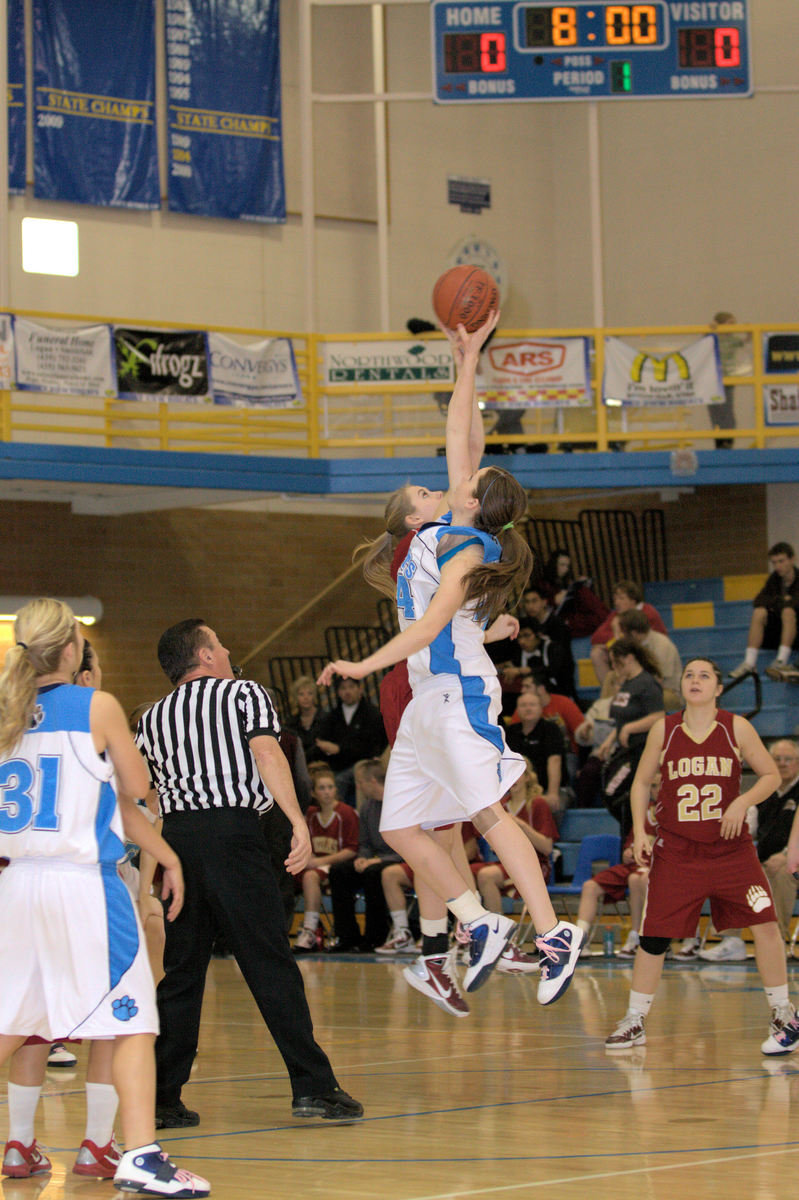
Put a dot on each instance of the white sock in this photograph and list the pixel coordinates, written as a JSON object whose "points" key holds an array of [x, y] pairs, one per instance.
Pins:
{"points": [[433, 928], [101, 1110], [640, 1003], [750, 658], [22, 1102], [466, 908], [400, 919], [633, 937], [584, 925], [310, 921], [784, 653], [776, 996]]}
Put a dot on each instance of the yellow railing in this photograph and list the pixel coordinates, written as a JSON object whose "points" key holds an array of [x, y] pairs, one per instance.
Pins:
{"points": [[381, 419]]}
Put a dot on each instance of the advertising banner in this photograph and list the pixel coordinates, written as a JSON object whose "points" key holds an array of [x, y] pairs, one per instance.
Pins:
{"points": [[94, 96], [653, 379], [71, 362], [781, 404], [535, 373], [261, 373], [224, 110], [16, 97], [387, 362], [6, 353], [157, 364], [781, 353]]}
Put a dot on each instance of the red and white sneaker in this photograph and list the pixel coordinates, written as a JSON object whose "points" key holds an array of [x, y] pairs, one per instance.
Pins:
{"points": [[434, 976], [400, 941], [100, 1162], [514, 961], [21, 1162]]}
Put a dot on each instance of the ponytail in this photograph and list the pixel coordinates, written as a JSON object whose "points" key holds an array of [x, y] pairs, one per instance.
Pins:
{"points": [[43, 629], [376, 554], [503, 503]]}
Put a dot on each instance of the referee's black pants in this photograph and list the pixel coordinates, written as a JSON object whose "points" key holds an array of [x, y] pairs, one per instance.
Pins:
{"points": [[231, 890]]}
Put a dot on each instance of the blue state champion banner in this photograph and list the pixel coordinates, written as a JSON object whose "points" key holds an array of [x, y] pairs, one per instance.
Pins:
{"points": [[94, 102], [16, 97], [224, 109]]}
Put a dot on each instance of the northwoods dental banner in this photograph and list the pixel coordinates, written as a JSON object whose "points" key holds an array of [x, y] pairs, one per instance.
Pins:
{"points": [[224, 113], [94, 98]]}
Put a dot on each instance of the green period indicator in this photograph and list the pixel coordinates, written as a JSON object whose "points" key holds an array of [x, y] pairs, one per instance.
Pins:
{"points": [[621, 76]]}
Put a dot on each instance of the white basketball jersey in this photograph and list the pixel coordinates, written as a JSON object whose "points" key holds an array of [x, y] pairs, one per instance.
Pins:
{"points": [[458, 649], [56, 795]]}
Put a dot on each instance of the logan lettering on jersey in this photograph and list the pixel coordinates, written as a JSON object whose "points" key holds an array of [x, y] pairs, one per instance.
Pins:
{"points": [[721, 768]]}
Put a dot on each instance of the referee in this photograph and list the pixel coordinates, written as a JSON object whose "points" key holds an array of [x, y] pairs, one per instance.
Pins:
{"points": [[213, 752]]}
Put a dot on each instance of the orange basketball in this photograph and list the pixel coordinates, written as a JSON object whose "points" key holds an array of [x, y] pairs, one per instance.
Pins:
{"points": [[464, 296]]}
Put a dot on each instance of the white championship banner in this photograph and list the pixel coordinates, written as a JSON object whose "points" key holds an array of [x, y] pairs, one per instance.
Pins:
{"points": [[781, 403], [263, 374], [6, 352], [69, 362], [387, 361], [657, 379], [535, 373]]}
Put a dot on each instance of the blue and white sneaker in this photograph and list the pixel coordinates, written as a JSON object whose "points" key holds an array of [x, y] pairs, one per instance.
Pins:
{"points": [[488, 937], [150, 1172], [559, 951], [783, 1034]]}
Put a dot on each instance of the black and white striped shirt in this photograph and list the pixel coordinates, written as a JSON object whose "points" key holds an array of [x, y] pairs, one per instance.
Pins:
{"points": [[196, 742]]}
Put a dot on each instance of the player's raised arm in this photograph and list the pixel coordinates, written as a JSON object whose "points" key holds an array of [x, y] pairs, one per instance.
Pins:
{"points": [[462, 442]]}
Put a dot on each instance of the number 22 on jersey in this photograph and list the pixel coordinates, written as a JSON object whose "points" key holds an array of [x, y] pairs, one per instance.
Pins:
{"points": [[699, 806], [29, 797]]}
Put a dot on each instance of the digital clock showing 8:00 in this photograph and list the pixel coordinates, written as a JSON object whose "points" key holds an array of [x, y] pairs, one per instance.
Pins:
{"points": [[512, 50]]}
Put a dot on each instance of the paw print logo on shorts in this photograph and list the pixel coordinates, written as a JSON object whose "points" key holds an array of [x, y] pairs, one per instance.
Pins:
{"points": [[124, 1008], [757, 898]]}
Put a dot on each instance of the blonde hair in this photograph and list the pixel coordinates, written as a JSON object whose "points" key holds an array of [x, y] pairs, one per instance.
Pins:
{"points": [[43, 629], [376, 555], [300, 682]]}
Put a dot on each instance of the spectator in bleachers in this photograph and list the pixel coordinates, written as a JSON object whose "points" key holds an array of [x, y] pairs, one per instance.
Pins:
{"points": [[334, 839], [773, 623], [526, 804], [635, 624], [591, 733], [541, 741], [572, 597], [362, 873], [775, 818], [352, 730], [627, 595], [534, 654], [614, 883], [306, 715], [537, 606], [558, 708]]}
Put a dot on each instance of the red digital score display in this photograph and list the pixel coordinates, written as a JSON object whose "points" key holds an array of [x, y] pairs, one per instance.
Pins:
{"points": [[714, 47], [472, 53]]}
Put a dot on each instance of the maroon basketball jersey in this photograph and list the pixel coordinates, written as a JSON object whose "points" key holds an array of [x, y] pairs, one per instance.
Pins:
{"points": [[698, 780]]}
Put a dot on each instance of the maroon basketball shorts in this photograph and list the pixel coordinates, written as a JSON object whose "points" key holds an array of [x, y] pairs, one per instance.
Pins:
{"points": [[614, 881], [684, 874]]}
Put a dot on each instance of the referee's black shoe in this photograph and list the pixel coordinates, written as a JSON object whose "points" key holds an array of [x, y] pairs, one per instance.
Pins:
{"points": [[331, 1106], [175, 1116]]}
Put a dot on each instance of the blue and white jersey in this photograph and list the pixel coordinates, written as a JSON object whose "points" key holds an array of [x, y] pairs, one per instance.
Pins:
{"points": [[458, 649], [57, 799]]}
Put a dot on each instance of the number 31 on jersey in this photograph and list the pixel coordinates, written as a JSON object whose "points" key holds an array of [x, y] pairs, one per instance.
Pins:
{"points": [[28, 797]]}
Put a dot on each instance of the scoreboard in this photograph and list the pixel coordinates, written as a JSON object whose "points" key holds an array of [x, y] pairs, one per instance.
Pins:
{"points": [[589, 50]]}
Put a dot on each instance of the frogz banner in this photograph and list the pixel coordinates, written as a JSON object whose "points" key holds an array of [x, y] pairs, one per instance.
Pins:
{"points": [[154, 363]]}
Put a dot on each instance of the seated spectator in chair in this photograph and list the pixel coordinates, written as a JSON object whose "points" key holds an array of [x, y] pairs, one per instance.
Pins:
{"points": [[362, 873], [666, 656], [334, 839], [534, 654], [352, 730], [613, 885], [626, 595], [540, 741], [773, 623], [775, 820], [537, 606], [571, 596], [596, 726], [560, 709], [306, 715]]}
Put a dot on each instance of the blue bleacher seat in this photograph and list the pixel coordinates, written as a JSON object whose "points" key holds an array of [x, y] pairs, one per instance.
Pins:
{"points": [[596, 848], [577, 823]]}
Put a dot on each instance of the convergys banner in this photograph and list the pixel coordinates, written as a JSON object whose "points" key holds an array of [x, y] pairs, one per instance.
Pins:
{"points": [[157, 364], [658, 379], [263, 374]]}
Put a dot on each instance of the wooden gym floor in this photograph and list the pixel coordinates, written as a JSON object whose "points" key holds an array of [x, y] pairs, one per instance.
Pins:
{"points": [[514, 1101]]}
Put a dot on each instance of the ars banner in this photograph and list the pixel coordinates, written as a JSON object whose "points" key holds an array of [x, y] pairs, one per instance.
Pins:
{"points": [[224, 114], [16, 97], [153, 363], [535, 373], [70, 362], [94, 98], [262, 373], [654, 379]]}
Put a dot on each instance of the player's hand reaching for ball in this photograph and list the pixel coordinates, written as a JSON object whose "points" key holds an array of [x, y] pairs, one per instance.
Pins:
{"points": [[472, 343], [347, 670]]}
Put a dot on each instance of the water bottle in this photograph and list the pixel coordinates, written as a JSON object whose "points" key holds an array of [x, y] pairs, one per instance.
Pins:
{"points": [[609, 941]]}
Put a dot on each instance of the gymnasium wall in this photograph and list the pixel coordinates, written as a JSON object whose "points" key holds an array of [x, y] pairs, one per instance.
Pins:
{"points": [[698, 203], [246, 574]]}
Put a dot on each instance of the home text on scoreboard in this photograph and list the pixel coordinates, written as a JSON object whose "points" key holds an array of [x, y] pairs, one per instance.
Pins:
{"points": [[590, 50]]}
